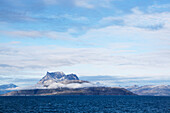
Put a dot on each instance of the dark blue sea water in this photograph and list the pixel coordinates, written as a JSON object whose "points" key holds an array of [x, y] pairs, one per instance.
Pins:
{"points": [[85, 104]]}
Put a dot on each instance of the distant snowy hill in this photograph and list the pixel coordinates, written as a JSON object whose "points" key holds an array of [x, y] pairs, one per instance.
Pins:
{"points": [[156, 90], [4, 88]]}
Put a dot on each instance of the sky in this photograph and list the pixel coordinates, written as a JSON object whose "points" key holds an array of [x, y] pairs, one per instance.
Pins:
{"points": [[115, 42]]}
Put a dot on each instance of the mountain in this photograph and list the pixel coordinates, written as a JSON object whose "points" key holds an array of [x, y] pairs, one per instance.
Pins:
{"points": [[154, 90], [57, 77], [72, 91], [4, 88]]}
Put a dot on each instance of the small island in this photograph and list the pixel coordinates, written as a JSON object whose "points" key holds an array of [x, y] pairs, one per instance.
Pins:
{"points": [[58, 83]]}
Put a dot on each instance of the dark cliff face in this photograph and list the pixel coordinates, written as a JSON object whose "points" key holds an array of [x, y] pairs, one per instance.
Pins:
{"points": [[68, 91]]}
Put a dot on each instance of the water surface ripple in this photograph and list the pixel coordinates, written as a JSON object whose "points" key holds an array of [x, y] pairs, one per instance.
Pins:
{"points": [[83, 104]]}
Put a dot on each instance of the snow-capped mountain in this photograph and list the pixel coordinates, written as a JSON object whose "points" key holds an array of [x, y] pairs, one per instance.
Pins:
{"points": [[156, 90], [58, 77]]}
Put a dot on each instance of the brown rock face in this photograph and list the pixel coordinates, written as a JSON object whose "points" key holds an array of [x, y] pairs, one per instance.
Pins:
{"points": [[68, 91]]}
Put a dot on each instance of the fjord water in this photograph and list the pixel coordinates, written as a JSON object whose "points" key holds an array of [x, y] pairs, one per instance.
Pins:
{"points": [[81, 104]]}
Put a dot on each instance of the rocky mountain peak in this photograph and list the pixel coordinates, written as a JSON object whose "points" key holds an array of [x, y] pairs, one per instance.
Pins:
{"points": [[51, 77], [72, 77], [55, 75]]}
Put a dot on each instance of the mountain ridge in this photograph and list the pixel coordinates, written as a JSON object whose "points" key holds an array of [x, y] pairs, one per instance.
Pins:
{"points": [[4, 88], [155, 90], [58, 83]]}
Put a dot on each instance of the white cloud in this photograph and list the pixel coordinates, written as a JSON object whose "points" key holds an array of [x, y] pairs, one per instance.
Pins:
{"points": [[68, 16], [56, 85], [156, 7], [93, 3], [117, 54], [40, 34], [49, 58], [154, 25], [136, 35], [142, 20], [83, 3], [72, 85], [31, 34], [50, 2]]}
